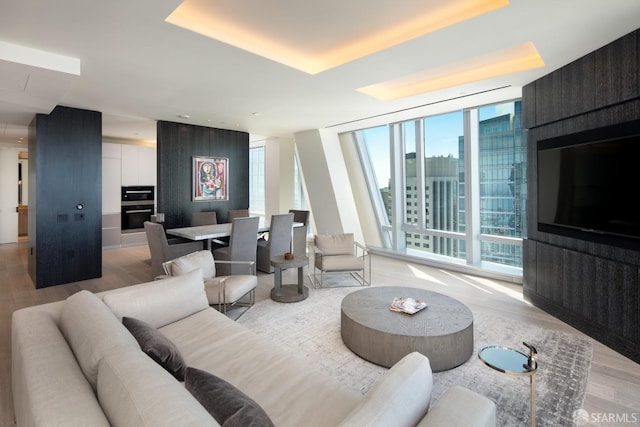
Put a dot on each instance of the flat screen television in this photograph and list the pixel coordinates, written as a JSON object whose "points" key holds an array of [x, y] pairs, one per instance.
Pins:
{"points": [[588, 185]]}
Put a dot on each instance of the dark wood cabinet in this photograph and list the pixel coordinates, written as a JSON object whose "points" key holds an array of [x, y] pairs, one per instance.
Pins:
{"points": [[593, 286], [617, 71], [548, 100], [595, 294], [577, 76]]}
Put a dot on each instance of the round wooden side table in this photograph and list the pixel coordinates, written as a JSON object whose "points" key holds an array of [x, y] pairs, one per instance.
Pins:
{"points": [[288, 293]]}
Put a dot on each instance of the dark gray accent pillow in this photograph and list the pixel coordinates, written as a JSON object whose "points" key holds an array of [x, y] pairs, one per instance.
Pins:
{"points": [[229, 406], [157, 346]]}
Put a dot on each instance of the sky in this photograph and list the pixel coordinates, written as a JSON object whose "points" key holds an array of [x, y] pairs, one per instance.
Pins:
{"points": [[441, 135]]}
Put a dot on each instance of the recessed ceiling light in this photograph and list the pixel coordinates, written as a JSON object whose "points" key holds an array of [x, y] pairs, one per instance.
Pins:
{"points": [[500, 63], [184, 116], [226, 21]]}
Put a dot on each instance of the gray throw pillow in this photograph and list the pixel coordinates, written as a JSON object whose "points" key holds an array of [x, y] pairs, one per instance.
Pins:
{"points": [[157, 346], [229, 406]]}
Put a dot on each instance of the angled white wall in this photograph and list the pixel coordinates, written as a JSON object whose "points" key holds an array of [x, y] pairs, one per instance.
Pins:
{"points": [[327, 182]]}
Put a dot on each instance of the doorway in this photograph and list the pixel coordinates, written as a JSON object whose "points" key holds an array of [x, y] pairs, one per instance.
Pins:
{"points": [[13, 195]]}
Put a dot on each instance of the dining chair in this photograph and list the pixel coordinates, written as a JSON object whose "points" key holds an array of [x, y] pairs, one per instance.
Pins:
{"points": [[160, 248], [278, 243], [242, 245], [299, 242], [203, 218], [237, 213]]}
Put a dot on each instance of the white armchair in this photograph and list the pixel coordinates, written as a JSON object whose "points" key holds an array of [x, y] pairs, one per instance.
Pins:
{"points": [[222, 291], [340, 253]]}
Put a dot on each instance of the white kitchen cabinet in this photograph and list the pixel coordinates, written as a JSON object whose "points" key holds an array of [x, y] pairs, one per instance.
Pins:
{"points": [[110, 185], [111, 176], [138, 165], [147, 166], [111, 150]]}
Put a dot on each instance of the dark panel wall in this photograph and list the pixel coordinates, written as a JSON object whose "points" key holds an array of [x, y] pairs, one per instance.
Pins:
{"points": [[177, 144], [592, 286], [65, 167]]}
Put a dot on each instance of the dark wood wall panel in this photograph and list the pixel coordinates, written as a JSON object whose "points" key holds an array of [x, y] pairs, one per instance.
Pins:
{"points": [[593, 286], [550, 277], [573, 277], [177, 144], [548, 102], [616, 66], [631, 304], [529, 107], [575, 77], [598, 296], [67, 165]]}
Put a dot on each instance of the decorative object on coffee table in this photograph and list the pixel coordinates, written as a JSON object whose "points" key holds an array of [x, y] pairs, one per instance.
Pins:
{"points": [[288, 293], [443, 332], [514, 362], [407, 305]]}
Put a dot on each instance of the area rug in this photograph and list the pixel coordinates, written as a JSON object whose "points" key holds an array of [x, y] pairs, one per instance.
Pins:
{"points": [[310, 330]]}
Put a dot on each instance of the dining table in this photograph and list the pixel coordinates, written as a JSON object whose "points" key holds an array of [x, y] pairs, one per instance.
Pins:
{"points": [[216, 231]]}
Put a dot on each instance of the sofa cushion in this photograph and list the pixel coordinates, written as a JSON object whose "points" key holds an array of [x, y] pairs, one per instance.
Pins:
{"points": [[135, 391], [340, 263], [48, 385], [91, 329], [276, 379], [400, 398], [193, 261], [162, 301], [478, 410], [228, 405], [335, 244], [157, 346]]}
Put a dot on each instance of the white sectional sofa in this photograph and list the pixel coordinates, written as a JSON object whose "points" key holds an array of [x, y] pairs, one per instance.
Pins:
{"points": [[74, 363]]}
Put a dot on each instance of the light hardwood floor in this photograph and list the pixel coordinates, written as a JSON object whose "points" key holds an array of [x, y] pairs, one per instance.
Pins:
{"points": [[614, 383]]}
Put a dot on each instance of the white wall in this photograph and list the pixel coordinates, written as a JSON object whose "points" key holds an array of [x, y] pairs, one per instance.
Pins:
{"points": [[279, 170]]}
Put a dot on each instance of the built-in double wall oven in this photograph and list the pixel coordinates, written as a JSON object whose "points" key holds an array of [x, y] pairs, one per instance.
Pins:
{"points": [[137, 206]]}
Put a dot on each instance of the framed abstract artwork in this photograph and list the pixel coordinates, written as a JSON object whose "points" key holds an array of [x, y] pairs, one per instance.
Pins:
{"points": [[210, 181]]}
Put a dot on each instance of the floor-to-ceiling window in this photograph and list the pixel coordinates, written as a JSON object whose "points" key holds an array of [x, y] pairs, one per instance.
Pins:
{"points": [[256, 180], [503, 185], [375, 152], [451, 185]]}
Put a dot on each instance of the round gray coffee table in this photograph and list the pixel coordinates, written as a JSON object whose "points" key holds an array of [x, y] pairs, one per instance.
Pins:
{"points": [[443, 331]]}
